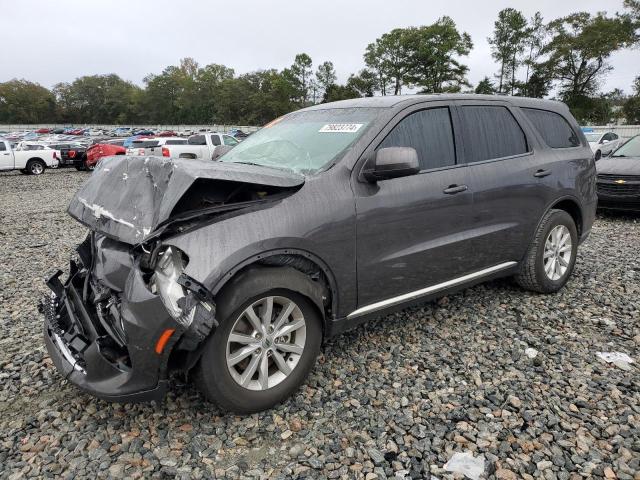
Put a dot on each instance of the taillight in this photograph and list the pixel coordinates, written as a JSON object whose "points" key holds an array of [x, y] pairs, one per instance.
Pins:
{"points": [[165, 152], [72, 154], [55, 155]]}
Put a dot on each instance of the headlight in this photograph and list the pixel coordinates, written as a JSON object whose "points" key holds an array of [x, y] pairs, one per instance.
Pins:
{"points": [[169, 266]]}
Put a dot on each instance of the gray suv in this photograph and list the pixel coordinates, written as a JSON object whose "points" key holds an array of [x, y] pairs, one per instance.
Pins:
{"points": [[236, 270]]}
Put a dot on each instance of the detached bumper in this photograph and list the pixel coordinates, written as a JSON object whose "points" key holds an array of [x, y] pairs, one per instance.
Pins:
{"points": [[89, 351]]}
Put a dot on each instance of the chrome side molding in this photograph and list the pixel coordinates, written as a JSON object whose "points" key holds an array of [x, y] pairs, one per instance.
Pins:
{"points": [[428, 290]]}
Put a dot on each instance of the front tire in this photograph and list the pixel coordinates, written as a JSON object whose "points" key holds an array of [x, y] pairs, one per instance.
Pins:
{"points": [[263, 350], [551, 256]]}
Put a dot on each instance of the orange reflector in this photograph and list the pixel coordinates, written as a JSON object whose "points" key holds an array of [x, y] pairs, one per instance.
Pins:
{"points": [[164, 338]]}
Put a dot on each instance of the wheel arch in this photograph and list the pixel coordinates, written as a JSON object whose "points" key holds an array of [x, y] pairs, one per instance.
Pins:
{"points": [[572, 207], [301, 260]]}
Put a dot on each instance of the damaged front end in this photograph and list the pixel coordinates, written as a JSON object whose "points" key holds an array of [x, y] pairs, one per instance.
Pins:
{"points": [[124, 319], [128, 314]]}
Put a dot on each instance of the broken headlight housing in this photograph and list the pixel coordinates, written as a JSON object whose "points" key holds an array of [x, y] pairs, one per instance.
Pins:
{"points": [[169, 265]]}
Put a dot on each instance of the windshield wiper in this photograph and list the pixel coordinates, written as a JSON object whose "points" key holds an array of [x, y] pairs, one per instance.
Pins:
{"points": [[618, 156]]}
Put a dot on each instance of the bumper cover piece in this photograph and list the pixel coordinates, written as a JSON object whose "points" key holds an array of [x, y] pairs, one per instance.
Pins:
{"points": [[86, 355]]}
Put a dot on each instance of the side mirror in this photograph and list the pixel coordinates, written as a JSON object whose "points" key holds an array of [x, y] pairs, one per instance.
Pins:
{"points": [[392, 162]]}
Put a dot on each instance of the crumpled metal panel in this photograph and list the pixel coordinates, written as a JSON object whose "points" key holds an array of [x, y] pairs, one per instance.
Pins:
{"points": [[126, 198]]}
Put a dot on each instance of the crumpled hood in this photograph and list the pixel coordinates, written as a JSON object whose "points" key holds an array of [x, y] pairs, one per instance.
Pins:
{"points": [[126, 198], [619, 165]]}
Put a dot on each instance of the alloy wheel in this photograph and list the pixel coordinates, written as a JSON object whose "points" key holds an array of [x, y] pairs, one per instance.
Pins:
{"points": [[36, 168], [266, 343], [558, 249]]}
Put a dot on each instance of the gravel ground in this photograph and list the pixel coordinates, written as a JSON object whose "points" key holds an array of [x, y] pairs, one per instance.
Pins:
{"points": [[395, 398]]}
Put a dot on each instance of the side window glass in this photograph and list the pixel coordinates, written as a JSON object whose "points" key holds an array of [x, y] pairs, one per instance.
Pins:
{"points": [[614, 136], [3, 147], [491, 132], [229, 140], [554, 129], [430, 133], [215, 140]]}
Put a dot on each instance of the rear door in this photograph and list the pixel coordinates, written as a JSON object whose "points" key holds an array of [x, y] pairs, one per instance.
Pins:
{"points": [[412, 231], [508, 198]]}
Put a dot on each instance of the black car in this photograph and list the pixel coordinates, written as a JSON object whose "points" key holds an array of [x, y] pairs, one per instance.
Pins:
{"points": [[71, 154], [237, 270], [619, 178]]}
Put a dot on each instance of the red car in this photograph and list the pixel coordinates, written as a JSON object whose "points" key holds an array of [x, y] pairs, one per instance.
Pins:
{"points": [[43, 130], [167, 133], [99, 150]]}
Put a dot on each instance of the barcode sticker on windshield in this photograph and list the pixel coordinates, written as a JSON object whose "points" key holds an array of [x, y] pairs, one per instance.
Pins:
{"points": [[341, 128]]}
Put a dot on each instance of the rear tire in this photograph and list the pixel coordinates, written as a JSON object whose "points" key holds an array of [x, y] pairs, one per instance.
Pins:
{"points": [[36, 167], [244, 387], [551, 256]]}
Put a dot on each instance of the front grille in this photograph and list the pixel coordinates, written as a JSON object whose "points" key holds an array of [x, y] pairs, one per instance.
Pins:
{"points": [[613, 178], [623, 186], [621, 190]]}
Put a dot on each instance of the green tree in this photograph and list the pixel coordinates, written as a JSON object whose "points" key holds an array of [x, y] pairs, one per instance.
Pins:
{"points": [[98, 99], [207, 83], [431, 56], [507, 43], [388, 56], [300, 75], [578, 51], [365, 82], [340, 92], [631, 108], [485, 86], [26, 102], [534, 42], [325, 76]]}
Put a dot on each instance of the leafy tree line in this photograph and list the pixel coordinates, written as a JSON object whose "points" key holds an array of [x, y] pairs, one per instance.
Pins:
{"points": [[566, 56]]}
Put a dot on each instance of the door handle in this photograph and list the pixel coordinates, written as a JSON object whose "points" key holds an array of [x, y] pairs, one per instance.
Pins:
{"points": [[452, 189], [542, 173]]}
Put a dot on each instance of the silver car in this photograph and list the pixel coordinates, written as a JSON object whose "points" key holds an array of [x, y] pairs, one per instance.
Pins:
{"points": [[603, 143]]}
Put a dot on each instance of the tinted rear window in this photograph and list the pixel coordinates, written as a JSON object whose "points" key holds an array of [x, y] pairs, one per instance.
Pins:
{"points": [[491, 132], [554, 129], [197, 140], [430, 133], [144, 144], [176, 142]]}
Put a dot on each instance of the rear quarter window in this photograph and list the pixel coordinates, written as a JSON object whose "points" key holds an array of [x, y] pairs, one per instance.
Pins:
{"points": [[553, 128]]}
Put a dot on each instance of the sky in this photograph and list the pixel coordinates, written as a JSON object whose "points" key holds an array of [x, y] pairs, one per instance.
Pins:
{"points": [[49, 41]]}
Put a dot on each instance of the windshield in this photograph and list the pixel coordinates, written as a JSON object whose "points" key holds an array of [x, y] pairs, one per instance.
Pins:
{"points": [[592, 137], [303, 142], [629, 149]]}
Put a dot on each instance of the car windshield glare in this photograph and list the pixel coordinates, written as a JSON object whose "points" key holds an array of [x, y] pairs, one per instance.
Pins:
{"points": [[629, 149], [303, 142]]}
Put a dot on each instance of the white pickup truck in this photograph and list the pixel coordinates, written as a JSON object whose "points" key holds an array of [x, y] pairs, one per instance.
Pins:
{"points": [[202, 145], [153, 146], [32, 162]]}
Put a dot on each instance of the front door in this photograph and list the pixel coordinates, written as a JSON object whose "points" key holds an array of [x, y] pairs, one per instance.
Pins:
{"points": [[6, 159], [412, 231]]}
